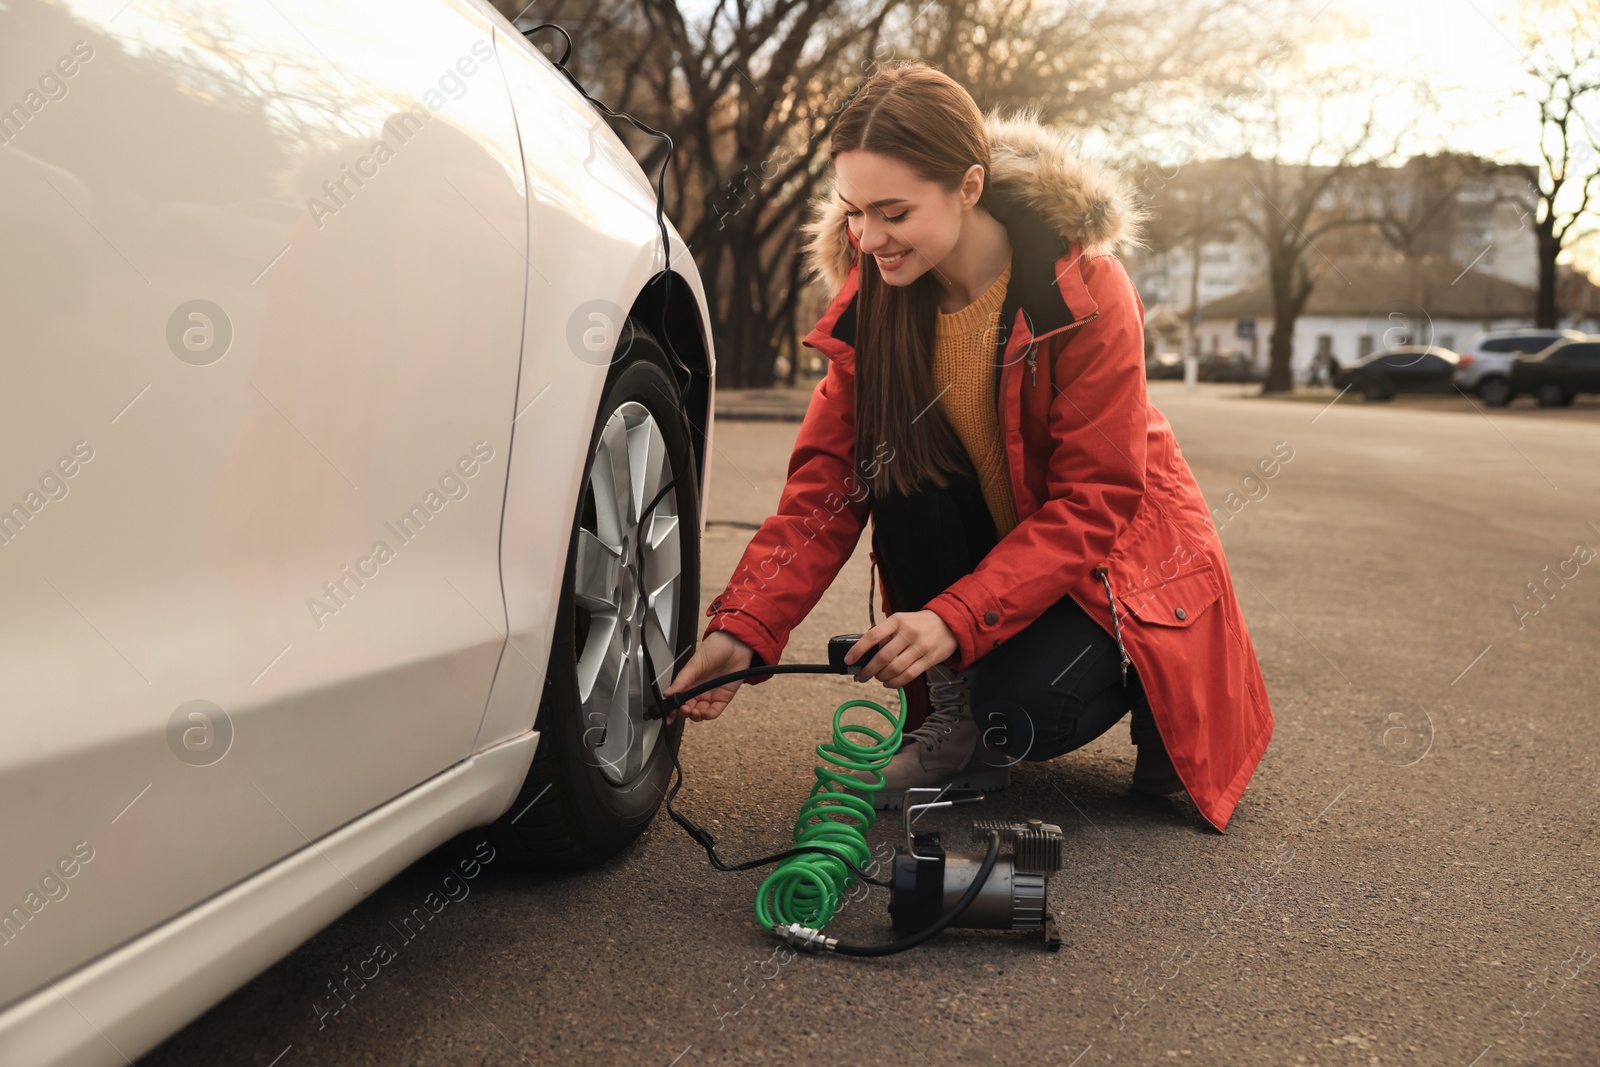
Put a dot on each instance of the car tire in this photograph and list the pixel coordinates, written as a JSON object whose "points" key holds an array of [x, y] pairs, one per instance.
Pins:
{"points": [[1552, 395], [600, 770], [1377, 390], [1495, 391]]}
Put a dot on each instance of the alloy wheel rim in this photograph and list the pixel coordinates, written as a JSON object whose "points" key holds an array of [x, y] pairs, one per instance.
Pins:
{"points": [[629, 578]]}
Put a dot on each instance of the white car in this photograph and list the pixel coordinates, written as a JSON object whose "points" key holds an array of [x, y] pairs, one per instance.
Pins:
{"points": [[317, 556], [1486, 362]]}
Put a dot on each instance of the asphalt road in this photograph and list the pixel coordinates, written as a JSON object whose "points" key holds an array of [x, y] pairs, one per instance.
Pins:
{"points": [[1411, 877]]}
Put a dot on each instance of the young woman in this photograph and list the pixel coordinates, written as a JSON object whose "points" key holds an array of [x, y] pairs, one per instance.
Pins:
{"points": [[1047, 560]]}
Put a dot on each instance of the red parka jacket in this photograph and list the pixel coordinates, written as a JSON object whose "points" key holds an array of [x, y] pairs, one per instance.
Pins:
{"points": [[1102, 490]]}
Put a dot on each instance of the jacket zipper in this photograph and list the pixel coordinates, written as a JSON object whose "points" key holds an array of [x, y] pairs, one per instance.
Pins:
{"points": [[1101, 572], [1005, 437], [1032, 370], [1033, 350]]}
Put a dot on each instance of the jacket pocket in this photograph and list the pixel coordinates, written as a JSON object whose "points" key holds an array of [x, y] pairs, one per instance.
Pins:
{"points": [[1177, 602]]}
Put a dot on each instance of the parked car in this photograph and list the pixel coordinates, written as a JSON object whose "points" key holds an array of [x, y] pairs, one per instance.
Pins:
{"points": [[1485, 366], [329, 530], [1558, 374], [1164, 366], [1228, 367], [1401, 369]]}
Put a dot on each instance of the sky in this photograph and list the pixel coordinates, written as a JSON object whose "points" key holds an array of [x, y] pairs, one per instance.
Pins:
{"points": [[1468, 50]]}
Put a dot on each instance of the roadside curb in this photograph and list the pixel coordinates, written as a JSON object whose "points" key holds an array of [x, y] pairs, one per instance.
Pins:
{"points": [[737, 415], [778, 404]]}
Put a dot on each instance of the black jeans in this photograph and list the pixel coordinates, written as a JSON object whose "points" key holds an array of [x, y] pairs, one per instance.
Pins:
{"points": [[1053, 686]]}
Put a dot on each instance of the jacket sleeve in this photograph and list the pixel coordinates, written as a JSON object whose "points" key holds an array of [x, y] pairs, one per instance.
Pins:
{"points": [[1095, 479], [797, 552]]}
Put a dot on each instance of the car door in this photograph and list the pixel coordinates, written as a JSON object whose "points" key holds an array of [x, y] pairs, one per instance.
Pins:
{"points": [[265, 267], [1556, 367], [1434, 373], [1400, 368], [1584, 358]]}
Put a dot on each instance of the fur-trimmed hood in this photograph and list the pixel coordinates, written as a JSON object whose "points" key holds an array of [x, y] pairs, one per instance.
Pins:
{"points": [[1087, 204]]}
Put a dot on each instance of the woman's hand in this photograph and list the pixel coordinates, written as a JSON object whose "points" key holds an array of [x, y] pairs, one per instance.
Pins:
{"points": [[910, 642], [720, 653]]}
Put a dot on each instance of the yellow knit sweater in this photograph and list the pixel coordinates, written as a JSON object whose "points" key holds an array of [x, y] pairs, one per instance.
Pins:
{"points": [[963, 374]]}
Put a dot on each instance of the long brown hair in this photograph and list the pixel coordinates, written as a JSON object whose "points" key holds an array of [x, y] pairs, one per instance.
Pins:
{"points": [[926, 120]]}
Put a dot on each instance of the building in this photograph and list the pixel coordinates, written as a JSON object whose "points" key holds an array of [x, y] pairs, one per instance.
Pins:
{"points": [[1361, 304], [1452, 211]]}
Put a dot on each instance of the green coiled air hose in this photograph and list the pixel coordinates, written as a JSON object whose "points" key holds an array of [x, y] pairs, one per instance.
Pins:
{"points": [[803, 893], [832, 824]]}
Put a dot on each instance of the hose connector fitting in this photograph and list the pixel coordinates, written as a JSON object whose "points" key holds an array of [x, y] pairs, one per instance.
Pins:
{"points": [[805, 937]]}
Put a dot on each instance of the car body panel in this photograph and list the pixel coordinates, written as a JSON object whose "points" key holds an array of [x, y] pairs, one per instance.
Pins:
{"points": [[1402, 369], [1232, 366], [605, 229], [236, 464], [147, 988]]}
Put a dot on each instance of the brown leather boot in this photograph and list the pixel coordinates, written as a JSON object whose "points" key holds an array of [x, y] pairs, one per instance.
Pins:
{"points": [[1153, 772], [947, 750]]}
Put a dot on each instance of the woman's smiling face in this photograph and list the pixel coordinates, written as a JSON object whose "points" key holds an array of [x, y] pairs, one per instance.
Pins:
{"points": [[907, 223]]}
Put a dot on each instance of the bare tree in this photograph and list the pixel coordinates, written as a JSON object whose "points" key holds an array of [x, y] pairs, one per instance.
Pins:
{"points": [[1563, 62], [1296, 208]]}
